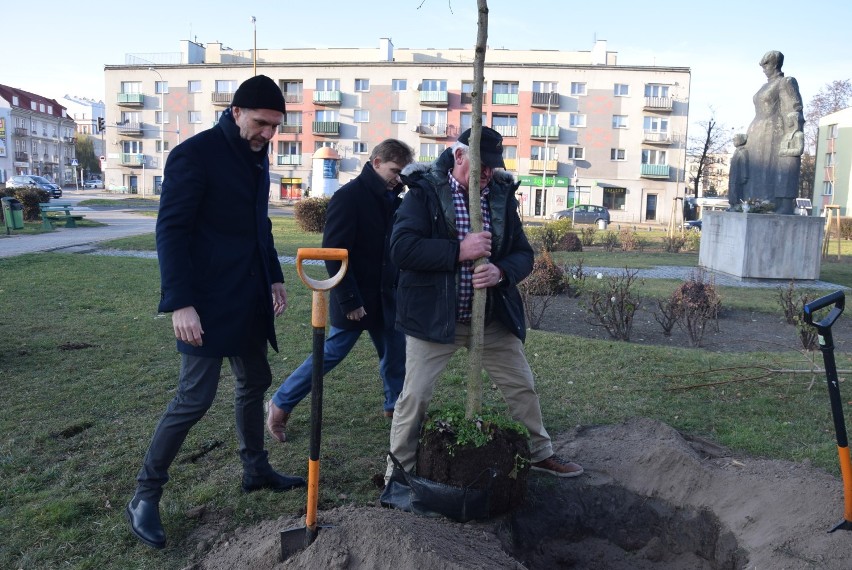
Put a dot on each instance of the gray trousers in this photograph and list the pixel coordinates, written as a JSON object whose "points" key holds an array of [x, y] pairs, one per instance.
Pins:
{"points": [[199, 380]]}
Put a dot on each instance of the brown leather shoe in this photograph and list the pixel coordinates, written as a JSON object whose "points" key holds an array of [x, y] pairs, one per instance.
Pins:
{"points": [[276, 421], [558, 467]]}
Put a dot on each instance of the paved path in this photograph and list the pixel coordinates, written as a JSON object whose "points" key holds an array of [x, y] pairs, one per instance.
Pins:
{"points": [[120, 223], [123, 223]]}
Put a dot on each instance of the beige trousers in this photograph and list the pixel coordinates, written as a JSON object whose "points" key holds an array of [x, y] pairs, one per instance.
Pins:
{"points": [[506, 364]]}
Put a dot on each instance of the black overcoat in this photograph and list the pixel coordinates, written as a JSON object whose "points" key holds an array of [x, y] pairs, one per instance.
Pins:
{"points": [[214, 238]]}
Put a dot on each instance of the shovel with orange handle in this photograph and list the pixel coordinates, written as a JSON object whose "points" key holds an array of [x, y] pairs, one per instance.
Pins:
{"points": [[826, 345], [298, 538]]}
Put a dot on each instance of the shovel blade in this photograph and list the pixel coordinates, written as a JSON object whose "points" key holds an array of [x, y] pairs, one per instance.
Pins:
{"points": [[298, 538]]}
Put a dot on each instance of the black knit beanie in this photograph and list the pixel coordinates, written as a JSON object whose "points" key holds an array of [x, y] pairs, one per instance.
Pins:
{"points": [[259, 92]]}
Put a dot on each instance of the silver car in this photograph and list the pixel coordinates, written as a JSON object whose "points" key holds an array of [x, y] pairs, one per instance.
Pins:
{"points": [[583, 214], [32, 181]]}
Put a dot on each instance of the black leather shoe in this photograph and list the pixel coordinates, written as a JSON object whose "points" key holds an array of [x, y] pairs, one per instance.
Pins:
{"points": [[271, 480], [144, 518]]}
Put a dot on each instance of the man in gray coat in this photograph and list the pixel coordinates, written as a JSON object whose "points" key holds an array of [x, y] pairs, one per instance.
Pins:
{"points": [[223, 284]]}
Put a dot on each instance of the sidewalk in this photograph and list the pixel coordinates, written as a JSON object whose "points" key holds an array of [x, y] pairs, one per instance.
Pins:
{"points": [[120, 223]]}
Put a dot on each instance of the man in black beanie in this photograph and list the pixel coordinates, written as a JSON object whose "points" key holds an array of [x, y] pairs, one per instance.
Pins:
{"points": [[223, 284]]}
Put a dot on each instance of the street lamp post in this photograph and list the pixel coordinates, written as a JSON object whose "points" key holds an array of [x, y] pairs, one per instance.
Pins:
{"points": [[162, 128], [254, 50]]}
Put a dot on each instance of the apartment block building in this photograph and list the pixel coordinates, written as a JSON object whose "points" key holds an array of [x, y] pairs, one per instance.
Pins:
{"points": [[833, 173], [86, 113], [36, 137], [577, 126]]}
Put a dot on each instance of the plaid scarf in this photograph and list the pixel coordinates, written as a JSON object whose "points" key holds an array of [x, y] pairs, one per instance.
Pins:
{"points": [[465, 276]]}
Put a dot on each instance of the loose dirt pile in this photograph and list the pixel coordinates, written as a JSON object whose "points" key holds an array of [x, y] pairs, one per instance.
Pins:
{"points": [[650, 499]]}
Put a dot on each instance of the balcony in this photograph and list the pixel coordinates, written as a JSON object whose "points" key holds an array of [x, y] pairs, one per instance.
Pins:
{"points": [[221, 99], [511, 164], [21, 132], [289, 159], [70, 140], [545, 100], [22, 157], [132, 159], [131, 99], [330, 128], [504, 99], [434, 98], [327, 98], [544, 132], [657, 137], [658, 103], [655, 171], [506, 130], [432, 131], [291, 129], [130, 129], [293, 97], [543, 165]]}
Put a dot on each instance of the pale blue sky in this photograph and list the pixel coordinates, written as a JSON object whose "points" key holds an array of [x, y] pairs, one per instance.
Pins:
{"points": [[59, 51]]}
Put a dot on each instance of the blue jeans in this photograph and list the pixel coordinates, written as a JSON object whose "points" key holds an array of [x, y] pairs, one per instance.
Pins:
{"points": [[390, 348]]}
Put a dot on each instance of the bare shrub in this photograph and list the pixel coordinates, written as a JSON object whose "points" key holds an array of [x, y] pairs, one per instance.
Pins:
{"points": [[570, 242], [614, 304], [667, 317], [673, 244], [310, 214], [793, 303], [546, 281], [609, 240], [697, 304], [575, 276], [630, 240], [692, 240], [587, 235]]}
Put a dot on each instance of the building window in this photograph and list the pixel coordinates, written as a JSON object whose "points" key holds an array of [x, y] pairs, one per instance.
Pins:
{"points": [[505, 88], [832, 131], [576, 120], [161, 117], [542, 153], [545, 87], [327, 116], [655, 124], [226, 86], [162, 146], [217, 116], [613, 198], [293, 119], [328, 85], [576, 152], [360, 148], [430, 151], [131, 87], [655, 90], [621, 90], [650, 156], [827, 188], [578, 88], [434, 85], [362, 85], [829, 159], [195, 116], [506, 125], [616, 154], [399, 117], [161, 87], [619, 121], [466, 121], [361, 116], [323, 144], [399, 85], [292, 90], [194, 86]]}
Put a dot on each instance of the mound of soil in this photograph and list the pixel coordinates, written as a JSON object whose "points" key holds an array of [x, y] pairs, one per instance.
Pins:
{"points": [[650, 499]]}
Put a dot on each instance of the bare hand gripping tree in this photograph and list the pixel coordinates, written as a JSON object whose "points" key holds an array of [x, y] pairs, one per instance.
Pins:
{"points": [[477, 321]]}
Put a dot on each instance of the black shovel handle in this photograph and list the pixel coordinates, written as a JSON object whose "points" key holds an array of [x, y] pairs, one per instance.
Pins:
{"points": [[838, 299]]}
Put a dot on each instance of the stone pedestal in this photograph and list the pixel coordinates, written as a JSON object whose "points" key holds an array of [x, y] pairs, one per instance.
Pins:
{"points": [[761, 246]]}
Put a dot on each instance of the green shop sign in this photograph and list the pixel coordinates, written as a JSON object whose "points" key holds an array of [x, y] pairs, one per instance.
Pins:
{"points": [[559, 181]]}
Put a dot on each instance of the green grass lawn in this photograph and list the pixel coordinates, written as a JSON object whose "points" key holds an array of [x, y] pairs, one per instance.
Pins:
{"points": [[87, 367]]}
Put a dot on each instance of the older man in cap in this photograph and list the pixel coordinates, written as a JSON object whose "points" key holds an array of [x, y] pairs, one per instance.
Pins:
{"points": [[222, 282], [435, 249]]}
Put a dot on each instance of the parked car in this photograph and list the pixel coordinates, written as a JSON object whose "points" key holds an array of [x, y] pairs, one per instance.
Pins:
{"points": [[583, 214], [692, 225], [97, 184], [32, 181]]}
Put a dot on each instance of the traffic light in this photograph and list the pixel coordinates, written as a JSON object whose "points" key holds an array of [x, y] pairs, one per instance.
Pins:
{"points": [[101, 126]]}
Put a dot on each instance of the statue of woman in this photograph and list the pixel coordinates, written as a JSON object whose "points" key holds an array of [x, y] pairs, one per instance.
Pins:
{"points": [[775, 140]]}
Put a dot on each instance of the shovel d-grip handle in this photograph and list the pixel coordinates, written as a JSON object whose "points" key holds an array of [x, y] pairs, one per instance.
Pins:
{"points": [[838, 299], [319, 310]]}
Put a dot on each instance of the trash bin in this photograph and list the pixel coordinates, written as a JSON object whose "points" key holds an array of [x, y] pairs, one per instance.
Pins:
{"points": [[602, 224], [13, 214]]}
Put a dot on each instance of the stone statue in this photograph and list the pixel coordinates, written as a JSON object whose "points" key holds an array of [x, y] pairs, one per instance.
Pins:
{"points": [[775, 140], [738, 173]]}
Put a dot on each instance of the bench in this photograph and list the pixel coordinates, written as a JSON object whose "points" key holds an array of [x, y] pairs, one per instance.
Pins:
{"points": [[53, 212]]}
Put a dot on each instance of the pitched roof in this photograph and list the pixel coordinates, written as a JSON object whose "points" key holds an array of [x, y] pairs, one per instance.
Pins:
{"points": [[25, 100]]}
